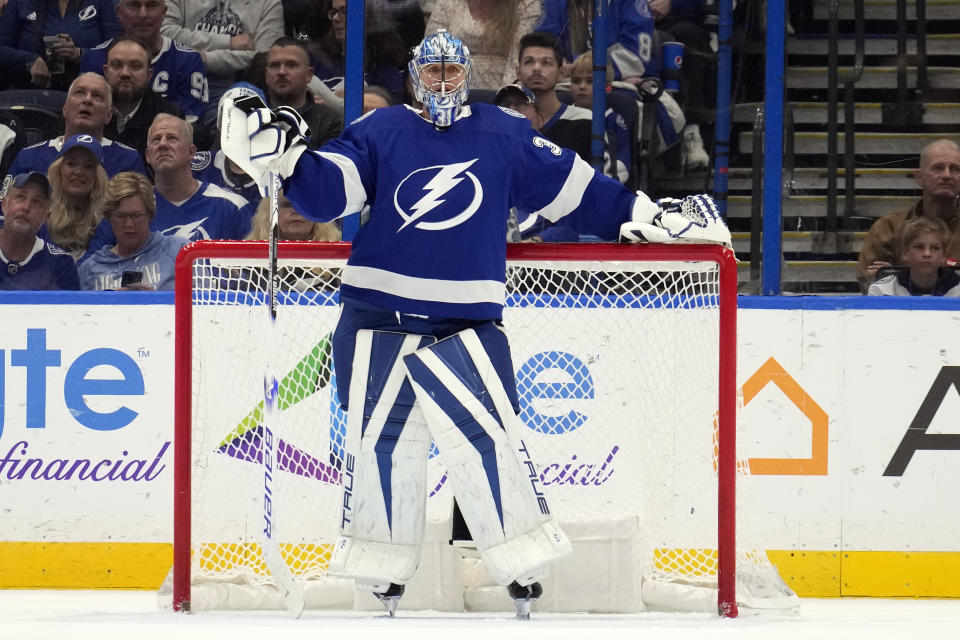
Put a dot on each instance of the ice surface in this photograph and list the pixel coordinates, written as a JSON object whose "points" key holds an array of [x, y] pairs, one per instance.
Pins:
{"points": [[134, 614]]}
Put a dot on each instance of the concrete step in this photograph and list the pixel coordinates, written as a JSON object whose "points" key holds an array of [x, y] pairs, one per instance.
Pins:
{"points": [[937, 45], [816, 206], [815, 179], [887, 10], [864, 112], [807, 242], [808, 271], [878, 143], [806, 180], [873, 77]]}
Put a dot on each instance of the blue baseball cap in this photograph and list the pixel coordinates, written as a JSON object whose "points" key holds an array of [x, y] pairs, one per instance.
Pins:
{"points": [[514, 92], [86, 141], [21, 180]]}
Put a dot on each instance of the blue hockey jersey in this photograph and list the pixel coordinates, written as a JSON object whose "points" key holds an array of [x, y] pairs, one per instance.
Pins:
{"points": [[178, 74], [117, 157], [211, 166], [212, 213], [88, 22], [47, 267], [435, 242], [629, 36]]}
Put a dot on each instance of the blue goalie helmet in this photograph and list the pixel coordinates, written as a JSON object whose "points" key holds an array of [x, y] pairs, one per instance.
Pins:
{"points": [[439, 72]]}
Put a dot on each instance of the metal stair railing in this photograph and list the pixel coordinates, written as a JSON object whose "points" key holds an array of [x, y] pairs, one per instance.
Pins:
{"points": [[849, 119]]}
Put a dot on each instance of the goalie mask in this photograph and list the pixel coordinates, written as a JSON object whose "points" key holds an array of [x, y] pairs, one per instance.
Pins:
{"points": [[439, 71]]}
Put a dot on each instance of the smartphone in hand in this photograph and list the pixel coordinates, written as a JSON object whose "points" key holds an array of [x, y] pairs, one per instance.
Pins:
{"points": [[131, 277], [54, 62]]}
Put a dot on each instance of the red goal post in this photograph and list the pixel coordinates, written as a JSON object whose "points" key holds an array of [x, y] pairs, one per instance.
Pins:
{"points": [[213, 275]]}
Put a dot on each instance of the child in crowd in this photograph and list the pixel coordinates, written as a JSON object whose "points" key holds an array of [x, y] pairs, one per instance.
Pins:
{"points": [[922, 254], [617, 157]]}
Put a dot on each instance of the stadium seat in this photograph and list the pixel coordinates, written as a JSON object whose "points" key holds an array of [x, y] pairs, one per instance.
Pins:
{"points": [[40, 112]]}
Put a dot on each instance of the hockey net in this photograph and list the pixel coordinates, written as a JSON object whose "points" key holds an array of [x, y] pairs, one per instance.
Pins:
{"points": [[625, 362]]}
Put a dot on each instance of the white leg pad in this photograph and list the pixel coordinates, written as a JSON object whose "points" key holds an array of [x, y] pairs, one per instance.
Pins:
{"points": [[385, 468], [465, 405], [374, 565], [527, 557]]}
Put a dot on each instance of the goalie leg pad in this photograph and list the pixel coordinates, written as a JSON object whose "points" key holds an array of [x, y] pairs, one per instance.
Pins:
{"points": [[467, 409], [385, 464]]}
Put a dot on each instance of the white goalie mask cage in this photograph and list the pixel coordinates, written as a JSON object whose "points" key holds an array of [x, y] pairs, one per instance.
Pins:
{"points": [[445, 49]]}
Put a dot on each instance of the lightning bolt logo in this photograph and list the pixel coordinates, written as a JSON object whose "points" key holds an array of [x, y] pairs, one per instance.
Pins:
{"points": [[447, 177], [191, 230]]}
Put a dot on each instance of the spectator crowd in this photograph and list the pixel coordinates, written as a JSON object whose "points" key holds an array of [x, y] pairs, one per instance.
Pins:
{"points": [[141, 82]]}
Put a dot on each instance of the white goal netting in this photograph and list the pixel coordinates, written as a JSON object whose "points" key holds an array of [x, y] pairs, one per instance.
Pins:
{"points": [[617, 356]]}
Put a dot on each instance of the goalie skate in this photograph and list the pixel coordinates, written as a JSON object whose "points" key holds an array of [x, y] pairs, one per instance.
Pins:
{"points": [[524, 597], [391, 598]]}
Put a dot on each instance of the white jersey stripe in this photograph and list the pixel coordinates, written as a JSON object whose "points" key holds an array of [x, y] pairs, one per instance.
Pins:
{"points": [[571, 193], [352, 185], [449, 291]]}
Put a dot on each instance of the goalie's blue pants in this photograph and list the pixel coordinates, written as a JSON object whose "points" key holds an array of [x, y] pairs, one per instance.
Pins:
{"points": [[356, 315]]}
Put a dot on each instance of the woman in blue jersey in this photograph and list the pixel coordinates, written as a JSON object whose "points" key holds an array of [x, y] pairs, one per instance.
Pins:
{"points": [[41, 41], [419, 351]]}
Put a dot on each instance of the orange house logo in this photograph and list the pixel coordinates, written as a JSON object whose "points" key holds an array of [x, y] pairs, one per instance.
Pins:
{"points": [[816, 465]]}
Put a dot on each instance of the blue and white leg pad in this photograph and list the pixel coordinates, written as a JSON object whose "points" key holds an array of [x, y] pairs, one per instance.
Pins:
{"points": [[467, 408], [385, 466]]}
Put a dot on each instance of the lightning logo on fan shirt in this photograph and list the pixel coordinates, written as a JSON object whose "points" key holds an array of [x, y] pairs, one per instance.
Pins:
{"points": [[191, 230], [446, 178]]}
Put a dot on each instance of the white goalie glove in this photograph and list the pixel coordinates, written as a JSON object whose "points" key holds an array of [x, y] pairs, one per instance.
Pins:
{"points": [[260, 140], [694, 219]]}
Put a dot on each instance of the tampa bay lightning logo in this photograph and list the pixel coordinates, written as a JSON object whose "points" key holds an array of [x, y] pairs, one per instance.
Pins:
{"points": [[191, 230], [421, 196], [200, 160], [87, 13]]}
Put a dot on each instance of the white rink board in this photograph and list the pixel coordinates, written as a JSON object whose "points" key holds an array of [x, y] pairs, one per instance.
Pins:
{"points": [[124, 492], [869, 370]]}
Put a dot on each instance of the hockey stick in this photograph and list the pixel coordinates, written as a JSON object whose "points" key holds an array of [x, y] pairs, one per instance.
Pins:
{"points": [[289, 589]]}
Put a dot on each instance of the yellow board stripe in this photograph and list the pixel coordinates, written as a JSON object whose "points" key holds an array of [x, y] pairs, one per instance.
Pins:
{"points": [[811, 574], [84, 565], [923, 574]]}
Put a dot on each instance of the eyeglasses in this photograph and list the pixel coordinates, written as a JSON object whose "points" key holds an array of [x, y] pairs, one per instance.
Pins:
{"points": [[138, 216], [333, 13]]}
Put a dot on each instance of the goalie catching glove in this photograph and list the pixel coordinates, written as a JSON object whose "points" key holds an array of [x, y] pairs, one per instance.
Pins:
{"points": [[260, 140], [694, 219]]}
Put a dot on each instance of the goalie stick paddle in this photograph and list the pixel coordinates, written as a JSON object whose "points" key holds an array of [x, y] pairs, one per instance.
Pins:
{"points": [[289, 589]]}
